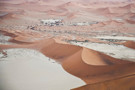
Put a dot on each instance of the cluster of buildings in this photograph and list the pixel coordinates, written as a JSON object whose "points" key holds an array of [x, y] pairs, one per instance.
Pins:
{"points": [[59, 22], [52, 22]]}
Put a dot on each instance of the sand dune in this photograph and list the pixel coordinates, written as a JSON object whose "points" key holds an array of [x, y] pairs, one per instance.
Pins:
{"points": [[113, 22], [107, 12], [68, 9], [131, 18], [103, 10], [115, 11], [8, 16], [94, 73], [130, 21], [32, 70], [108, 23], [12, 14], [68, 4], [89, 65], [130, 44], [57, 13], [122, 9], [65, 9], [21, 40]]}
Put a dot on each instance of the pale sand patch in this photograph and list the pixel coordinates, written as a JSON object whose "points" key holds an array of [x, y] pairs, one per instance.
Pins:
{"points": [[4, 39], [26, 69]]}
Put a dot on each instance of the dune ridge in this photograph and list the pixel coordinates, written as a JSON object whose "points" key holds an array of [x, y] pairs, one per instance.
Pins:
{"points": [[130, 44], [89, 65], [12, 15], [71, 9], [7, 16], [22, 21]]}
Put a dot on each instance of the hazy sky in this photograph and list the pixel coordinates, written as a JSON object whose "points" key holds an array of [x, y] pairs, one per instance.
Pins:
{"points": [[72, 0]]}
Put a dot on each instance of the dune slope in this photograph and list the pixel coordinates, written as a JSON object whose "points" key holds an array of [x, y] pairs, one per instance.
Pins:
{"points": [[130, 44], [89, 65]]}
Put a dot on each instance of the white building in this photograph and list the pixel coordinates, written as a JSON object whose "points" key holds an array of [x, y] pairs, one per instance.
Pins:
{"points": [[84, 23], [52, 22]]}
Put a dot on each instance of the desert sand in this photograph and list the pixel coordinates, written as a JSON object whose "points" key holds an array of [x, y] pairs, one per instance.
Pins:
{"points": [[89, 65], [28, 69], [89, 41], [130, 44]]}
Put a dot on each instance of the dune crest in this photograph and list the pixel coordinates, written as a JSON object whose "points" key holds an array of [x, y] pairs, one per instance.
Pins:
{"points": [[92, 57], [130, 44]]}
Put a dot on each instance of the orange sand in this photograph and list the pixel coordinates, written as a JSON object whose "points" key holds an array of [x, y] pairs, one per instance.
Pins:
{"points": [[130, 44], [89, 65]]}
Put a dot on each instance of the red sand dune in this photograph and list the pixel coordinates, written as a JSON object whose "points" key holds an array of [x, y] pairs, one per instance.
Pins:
{"points": [[107, 11], [68, 4], [66, 8], [130, 44], [71, 15], [57, 13], [113, 22], [117, 11], [22, 40], [122, 9], [130, 21], [103, 10], [12, 14], [89, 65], [8, 16]]}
